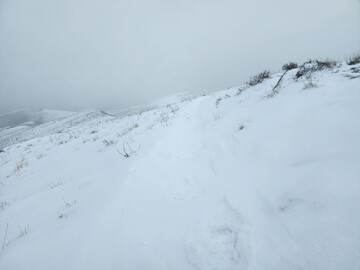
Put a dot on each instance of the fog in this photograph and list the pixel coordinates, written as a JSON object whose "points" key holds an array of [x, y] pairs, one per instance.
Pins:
{"points": [[81, 54]]}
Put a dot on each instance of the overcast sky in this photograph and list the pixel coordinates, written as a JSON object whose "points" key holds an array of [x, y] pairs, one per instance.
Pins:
{"points": [[80, 54]]}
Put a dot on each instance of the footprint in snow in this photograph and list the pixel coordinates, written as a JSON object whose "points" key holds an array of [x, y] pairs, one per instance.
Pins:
{"points": [[220, 241], [185, 188]]}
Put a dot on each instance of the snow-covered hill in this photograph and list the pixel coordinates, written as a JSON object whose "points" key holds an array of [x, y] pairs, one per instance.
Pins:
{"points": [[247, 178], [28, 117], [27, 124]]}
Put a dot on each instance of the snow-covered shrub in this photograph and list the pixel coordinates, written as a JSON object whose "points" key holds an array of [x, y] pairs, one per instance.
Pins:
{"points": [[164, 119], [61, 215], [108, 142], [174, 109], [133, 126], [353, 60], [240, 90], [218, 101], [126, 130], [325, 64], [315, 65], [69, 204], [20, 165], [56, 184], [23, 231], [310, 84], [3, 205], [289, 66], [259, 78]]}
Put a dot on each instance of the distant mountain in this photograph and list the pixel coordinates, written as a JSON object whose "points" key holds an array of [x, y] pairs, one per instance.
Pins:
{"points": [[31, 117]]}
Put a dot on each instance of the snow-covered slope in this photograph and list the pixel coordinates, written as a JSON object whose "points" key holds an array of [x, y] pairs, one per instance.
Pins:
{"points": [[25, 125], [28, 117], [247, 178]]}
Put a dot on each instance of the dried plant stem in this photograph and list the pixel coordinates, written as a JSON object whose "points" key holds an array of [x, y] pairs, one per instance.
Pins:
{"points": [[7, 227]]}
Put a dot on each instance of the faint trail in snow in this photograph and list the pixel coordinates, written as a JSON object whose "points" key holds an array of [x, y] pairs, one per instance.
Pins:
{"points": [[220, 241]]}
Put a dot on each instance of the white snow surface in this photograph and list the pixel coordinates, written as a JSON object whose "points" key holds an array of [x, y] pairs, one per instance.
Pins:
{"points": [[245, 182]]}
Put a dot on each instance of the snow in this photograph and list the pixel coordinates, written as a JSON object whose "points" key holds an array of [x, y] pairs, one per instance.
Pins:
{"points": [[29, 117], [221, 181]]}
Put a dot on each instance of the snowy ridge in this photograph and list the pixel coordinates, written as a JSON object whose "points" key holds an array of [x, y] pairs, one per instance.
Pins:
{"points": [[29, 117], [245, 178], [25, 125]]}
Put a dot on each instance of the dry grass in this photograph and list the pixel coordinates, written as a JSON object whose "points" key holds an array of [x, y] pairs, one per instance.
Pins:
{"points": [[21, 165]]}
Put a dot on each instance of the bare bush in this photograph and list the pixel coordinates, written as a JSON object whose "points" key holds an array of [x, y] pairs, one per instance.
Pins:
{"points": [[325, 64], [289, 66], [315, 65], [218, 101], [259, 78], [240, 90], [353, 60]]}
